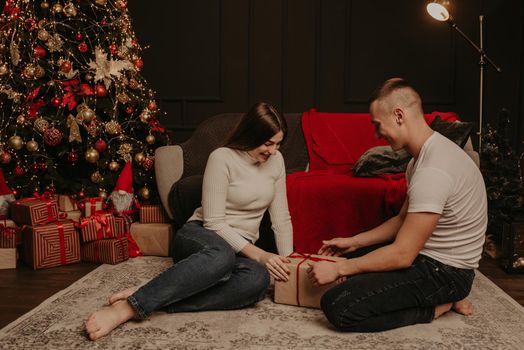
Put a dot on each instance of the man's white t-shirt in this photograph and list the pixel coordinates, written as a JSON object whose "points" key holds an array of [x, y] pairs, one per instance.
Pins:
{"points": [[446, 181]]}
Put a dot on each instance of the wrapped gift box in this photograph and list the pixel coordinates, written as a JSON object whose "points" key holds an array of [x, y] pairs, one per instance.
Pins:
{"points": [[51, 245], [9, 234], [73, 215], [152, 239], [92, 205], [107, 251], [150, 214], [7, 258], [123, 224], [98, 226], [66, 203], [299, 290], [33, 211]]}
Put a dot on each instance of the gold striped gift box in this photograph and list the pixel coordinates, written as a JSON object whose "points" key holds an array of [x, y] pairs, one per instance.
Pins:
{"points": [[107, 251], [98, 226], [9, 234], [51, 245], [153, 214], [31, 211]]}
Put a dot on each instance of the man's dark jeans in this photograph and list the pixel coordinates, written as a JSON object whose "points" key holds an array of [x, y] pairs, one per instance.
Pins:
{"points": [[380, 301]]}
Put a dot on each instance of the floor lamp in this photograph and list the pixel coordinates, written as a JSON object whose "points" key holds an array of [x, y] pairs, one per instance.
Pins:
{"points": [[440, 10]]}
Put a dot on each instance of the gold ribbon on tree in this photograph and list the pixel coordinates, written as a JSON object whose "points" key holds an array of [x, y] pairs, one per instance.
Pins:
{"points": [[74, 130]]}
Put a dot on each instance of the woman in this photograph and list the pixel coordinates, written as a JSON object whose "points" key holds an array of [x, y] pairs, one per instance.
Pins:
{"points": [[217, 266]]}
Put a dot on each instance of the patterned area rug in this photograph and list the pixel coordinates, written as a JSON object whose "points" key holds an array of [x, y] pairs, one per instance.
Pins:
{"points": [[498, 322]]}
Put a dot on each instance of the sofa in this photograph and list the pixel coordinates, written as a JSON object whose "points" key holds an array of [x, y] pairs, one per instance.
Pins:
{"points": [[326, 199]]}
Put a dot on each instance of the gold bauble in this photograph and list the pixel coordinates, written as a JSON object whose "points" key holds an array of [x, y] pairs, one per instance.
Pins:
{"points": [[4, 70], [139, 157], [29, 71], [101, 2], [113, 128], [41, 125], [145, 116], [113, 166], [15, 142], [43, 34], [39, 72], [87, 114], [122, 97], [20, 119], [44, 5], [92, 155], [144, 192], [32, 146], [70, 10], [150, 139], [57, 8], [96, 177], [103, 194]]}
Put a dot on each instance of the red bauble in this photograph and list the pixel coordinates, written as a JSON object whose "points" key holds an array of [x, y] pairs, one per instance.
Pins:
{"points": [[139, 64], [52, 136], [19, 170], [30, 24], [42, 165], [72, 156], [134, 43], [40, 51], [148, 163], [100, 145], [130, 109], [113, 48], [82, 47], [81, 195], [121, 5], [66, 66], [35, 167], [56, 101], [15, 192], [152, 106], [81, 205], [100, 90], [79, 37], [5, 158]]}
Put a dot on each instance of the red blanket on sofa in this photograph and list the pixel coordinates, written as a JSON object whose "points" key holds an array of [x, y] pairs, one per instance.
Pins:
{"points": [[329, 201]]}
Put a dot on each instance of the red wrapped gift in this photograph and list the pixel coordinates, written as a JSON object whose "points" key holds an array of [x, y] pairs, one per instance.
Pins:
{"points": [[51, 245], [299, 290], [123, 223], [9, 234], [74, 215], [34, 211], [92, 205], [66, 203], [98, 226], [107, 251], [153, 214]]}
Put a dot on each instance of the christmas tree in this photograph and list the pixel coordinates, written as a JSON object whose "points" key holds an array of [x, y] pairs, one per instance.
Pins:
{"points": [[74, 106], [501, 168]]}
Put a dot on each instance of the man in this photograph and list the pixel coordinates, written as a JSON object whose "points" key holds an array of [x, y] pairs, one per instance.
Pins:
{"points": [[424, 266]]}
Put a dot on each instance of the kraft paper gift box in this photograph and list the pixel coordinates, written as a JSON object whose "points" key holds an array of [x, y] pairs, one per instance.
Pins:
{"points": [[153, 214], [97, 227], [51, 245], [34, 211], [74, 215], [7, 258], [107, 251], [92, 205], [299, 290], [152, 239], [66, 203]]}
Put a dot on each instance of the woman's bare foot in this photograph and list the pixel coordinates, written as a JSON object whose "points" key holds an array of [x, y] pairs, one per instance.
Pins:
{"points": [[103, 321], [441, 309], [122, 295], [464, 307]]}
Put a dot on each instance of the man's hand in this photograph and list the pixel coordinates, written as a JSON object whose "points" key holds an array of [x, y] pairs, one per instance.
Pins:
{"points": [[276, 266], [339, 246], [323, 272]]}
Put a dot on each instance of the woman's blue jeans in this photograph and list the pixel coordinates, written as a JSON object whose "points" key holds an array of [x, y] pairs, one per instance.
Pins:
{"points": [[380, 301], [207, 275]]}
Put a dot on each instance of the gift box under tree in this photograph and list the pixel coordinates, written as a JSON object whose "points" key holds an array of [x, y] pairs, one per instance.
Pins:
{"points": [[150, 214], [8, 240], [152, 239], [34, 211], [99, 226], [66, 203], [107, 251], [90, 206]]}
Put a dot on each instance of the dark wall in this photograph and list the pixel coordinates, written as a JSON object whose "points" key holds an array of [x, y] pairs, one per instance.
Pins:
{"points": [[212, 56]]}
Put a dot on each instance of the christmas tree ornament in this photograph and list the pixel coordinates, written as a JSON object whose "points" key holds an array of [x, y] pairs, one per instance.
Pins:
{"points": [[19, 170], [6, 196], [151, 106], [20, 119], [44, 5], [130, 109], [52, 136], [138, 63], [96, 177], [102, 194], [65, 66], [43, 35], [145, 116], [100, 145], [113, 128], [82, 47], [57, 8], [43, 165], [29, 71], [150, 139], [70, 10], [5, 157], [92, 129], [139, 157], [3, 70], [133, 84], [15, 142], [122, 97], [56, 101], [74, 129], [31, 146], [35, 167], [72, 156], [41, 125], [122, 195], [113, 166], [113, 49], [101, 2], [92, 155], [100, 90], [79, 37], [89, 76], [39, 72], [40, 51], [148, 163], [144, 193], [121, 5], [81, 194], [87, 115]]}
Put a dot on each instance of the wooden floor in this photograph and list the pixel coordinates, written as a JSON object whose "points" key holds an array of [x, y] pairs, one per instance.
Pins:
{"points": [[23, 289]]}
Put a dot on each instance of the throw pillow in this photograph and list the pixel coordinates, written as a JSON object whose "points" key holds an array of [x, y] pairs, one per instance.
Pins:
{"points": [[381, 160], [457, 132]]}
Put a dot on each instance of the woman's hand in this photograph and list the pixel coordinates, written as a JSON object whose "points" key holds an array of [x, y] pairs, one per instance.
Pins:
{"points": [[276, 266], [339, 246], [323, 272]]}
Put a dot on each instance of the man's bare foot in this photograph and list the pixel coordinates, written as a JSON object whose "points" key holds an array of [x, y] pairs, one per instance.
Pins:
{"points": [[464, 307], [122, 295], [103, 321], [441, 309]]}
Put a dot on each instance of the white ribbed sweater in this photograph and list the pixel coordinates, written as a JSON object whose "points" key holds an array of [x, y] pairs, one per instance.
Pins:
{"points": [[236, 192]]}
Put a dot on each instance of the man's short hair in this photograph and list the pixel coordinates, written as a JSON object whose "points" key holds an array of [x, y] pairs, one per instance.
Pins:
{"points": [[389, 86]]}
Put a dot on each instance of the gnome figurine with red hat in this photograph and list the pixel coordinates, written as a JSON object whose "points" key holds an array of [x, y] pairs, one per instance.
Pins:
{"points": [[6, 196], [122, 196]]}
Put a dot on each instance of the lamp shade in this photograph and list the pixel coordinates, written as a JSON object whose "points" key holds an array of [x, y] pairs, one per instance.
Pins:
{"points": [[439, 9]]}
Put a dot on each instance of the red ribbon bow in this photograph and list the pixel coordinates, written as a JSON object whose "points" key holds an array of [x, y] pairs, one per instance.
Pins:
{"points": [[73, 88]]}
